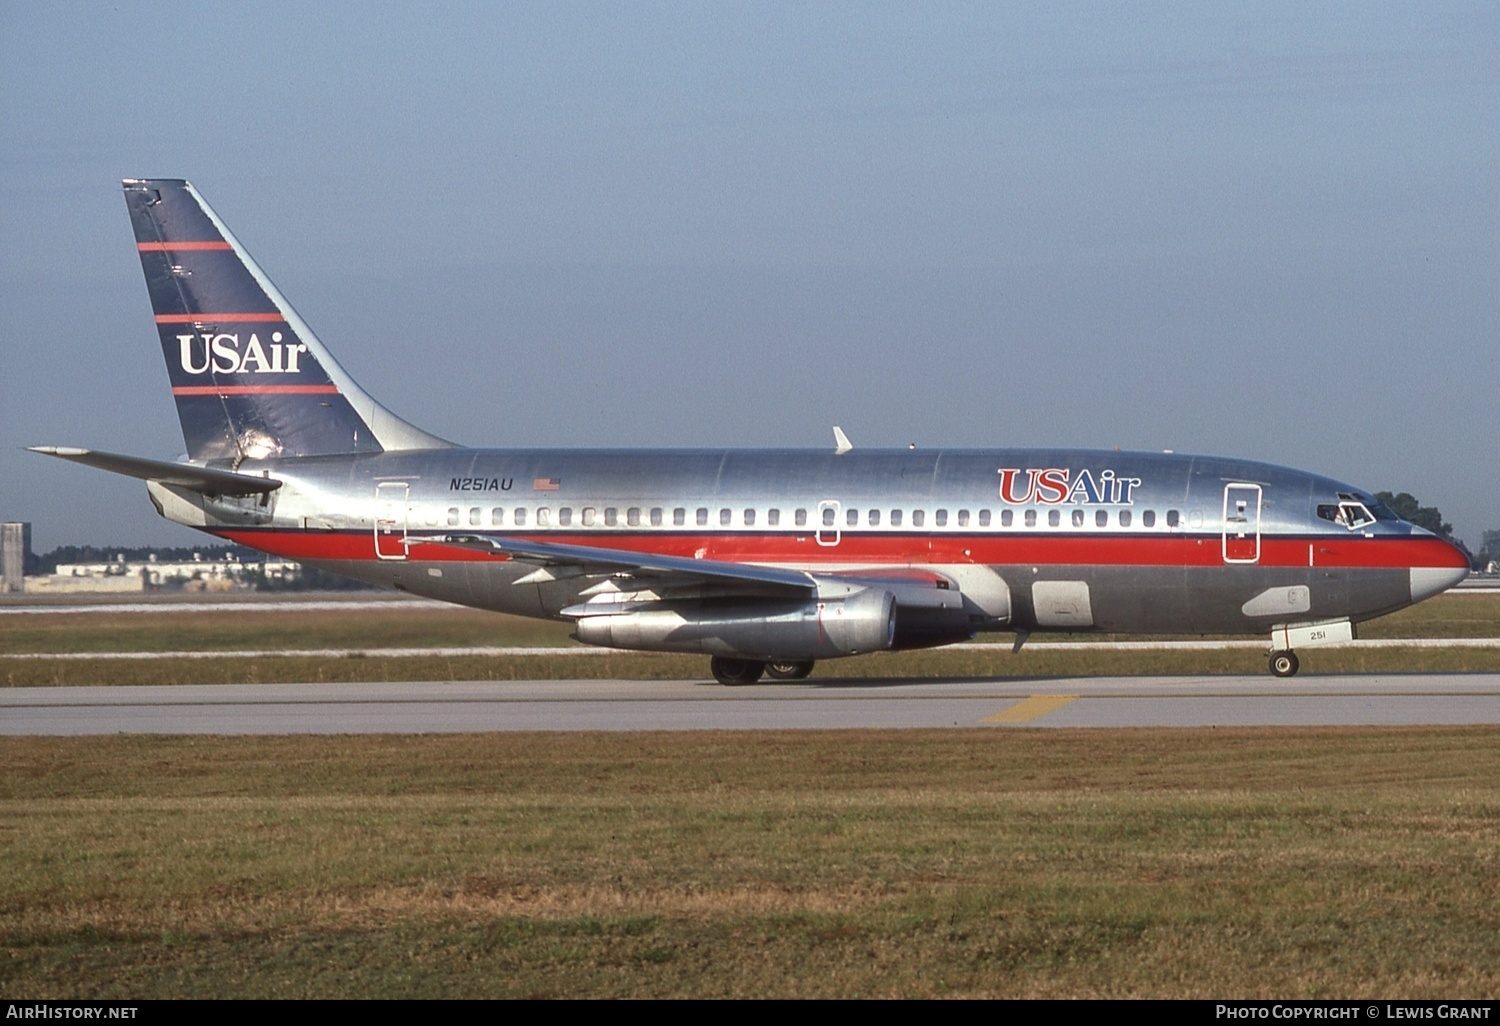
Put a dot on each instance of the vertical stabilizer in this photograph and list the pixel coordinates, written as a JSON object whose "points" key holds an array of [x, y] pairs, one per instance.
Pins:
{"points": [[250, 379]]}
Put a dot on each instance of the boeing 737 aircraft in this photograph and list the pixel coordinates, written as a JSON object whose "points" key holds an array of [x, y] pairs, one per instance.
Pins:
{"points": [[758, 558]]}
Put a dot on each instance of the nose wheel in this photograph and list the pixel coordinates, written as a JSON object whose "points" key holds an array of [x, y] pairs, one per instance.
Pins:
{"points": [[1284, 664]]}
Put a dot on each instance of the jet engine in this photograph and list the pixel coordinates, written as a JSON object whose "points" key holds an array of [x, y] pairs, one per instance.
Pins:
{"points": [[761, 630]]}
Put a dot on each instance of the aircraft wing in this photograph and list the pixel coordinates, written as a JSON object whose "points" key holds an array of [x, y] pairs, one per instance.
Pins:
{"points": [[187, 475], [555, 562]]}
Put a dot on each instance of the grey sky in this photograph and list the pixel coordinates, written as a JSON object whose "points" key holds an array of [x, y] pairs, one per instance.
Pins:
{"points": [[1269, 231]]}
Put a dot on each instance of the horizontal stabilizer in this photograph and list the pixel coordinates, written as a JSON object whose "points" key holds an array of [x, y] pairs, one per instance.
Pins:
{"points": [[186, 475]]}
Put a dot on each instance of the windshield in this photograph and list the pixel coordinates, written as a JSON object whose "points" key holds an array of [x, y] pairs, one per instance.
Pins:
{"points": [[1354, 511]]}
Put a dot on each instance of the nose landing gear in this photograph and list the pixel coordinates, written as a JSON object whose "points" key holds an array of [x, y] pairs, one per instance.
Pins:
{"points": [[1284, 664]]}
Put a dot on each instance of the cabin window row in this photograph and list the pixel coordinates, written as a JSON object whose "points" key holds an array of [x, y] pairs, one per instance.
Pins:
{"points": [[636, 516]]}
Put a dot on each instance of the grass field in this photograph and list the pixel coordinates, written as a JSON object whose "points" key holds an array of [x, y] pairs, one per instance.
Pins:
{"points": [[1455, 616], [1358, 863], [1301, 863]]}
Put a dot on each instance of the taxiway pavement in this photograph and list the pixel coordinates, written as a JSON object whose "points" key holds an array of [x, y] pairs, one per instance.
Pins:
{"points": [[570, 705]]}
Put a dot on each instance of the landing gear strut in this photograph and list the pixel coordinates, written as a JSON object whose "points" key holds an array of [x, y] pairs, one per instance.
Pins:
{"points": [[1284, 664], [736, 671], [789, 670]]}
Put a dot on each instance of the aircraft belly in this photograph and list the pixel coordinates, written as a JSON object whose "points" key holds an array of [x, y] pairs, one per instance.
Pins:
{"points": [[1195, 600]]}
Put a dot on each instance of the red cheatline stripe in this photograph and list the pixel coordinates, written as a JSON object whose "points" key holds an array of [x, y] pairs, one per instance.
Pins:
{"points": [[256, 390], [162, 247], [217, 318], [1159, 552]]}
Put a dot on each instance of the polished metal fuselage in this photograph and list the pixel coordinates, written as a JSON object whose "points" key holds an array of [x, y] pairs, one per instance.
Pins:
{"points": [[1068, 540]]}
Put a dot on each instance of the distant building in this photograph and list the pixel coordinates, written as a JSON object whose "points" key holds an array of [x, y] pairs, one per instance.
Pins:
{"points": [[15, 551], [227, 573]]}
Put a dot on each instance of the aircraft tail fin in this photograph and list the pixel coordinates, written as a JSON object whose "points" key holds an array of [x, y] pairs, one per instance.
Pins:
{"points": [[249, 377]]}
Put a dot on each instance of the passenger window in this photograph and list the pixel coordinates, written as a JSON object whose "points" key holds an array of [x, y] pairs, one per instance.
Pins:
{"points": [[679, 517], [633, 516], [452, 516], [827, 516], [984, 518], [1101, 518], [963, 518], [565, 516], [611, 516], [589, 515], [1124, 518], [851, 517], [497, 516], [725, 517], [1148, 518], [895, 518], [544, 517], [773, 518], [749, 518], [655, 516], [1173, 519], [800, 518], [702, 516], [520, 516], [1007, 517], [476, 516], [1078, 518], [874, 518], [918, 517], [1054, 517], [940, 518], [1031, 518]]}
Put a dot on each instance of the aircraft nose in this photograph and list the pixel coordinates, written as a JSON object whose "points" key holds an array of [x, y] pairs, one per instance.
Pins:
{"points": [[1427, 581]]}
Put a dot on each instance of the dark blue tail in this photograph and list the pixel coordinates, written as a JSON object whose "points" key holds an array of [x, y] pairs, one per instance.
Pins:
{"points": [[250, 379]]}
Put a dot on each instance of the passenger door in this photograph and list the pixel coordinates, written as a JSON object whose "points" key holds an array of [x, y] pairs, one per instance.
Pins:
{"points": [[1242, 523]]}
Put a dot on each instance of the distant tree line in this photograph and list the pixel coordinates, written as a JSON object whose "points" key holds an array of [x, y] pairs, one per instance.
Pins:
{"points": [[1406, 506]]}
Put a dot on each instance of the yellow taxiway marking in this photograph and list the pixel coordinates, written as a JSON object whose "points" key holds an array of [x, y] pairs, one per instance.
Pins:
{"points": [[1033, 708]]}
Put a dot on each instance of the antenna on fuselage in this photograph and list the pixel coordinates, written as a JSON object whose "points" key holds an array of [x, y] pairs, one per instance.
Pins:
{"points": [[841, 443]]}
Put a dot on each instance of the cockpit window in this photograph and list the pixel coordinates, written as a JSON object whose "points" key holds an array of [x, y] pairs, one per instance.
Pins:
{"points": [[1380, 509], [1349, 512]]}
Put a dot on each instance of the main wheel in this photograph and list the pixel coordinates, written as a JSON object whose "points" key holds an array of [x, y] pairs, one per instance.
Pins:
{"points": [[1284, 664], [735, 671], [789, 670]]}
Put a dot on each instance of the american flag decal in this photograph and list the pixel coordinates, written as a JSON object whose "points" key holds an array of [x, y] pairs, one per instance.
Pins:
{"points": [[546, 484]]}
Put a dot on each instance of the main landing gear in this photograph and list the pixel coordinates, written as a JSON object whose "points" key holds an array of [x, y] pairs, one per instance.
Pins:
{"points": [[735, 671], [1284, 664], [789, 670], [748, 671]]}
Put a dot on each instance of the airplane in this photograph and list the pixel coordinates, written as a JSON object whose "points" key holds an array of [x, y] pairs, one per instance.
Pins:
{"points": [[764, 560]]}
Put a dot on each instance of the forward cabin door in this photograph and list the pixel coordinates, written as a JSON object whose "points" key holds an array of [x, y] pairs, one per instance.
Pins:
{"points": [[1242, 523], [391, 505]]}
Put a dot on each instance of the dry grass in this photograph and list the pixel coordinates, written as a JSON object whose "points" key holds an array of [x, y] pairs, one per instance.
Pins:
{"points": [[1458, 616], [1351, 863]]}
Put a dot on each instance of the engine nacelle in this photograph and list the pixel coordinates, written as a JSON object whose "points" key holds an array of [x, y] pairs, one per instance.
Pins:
{"points": [[863, 622]]}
